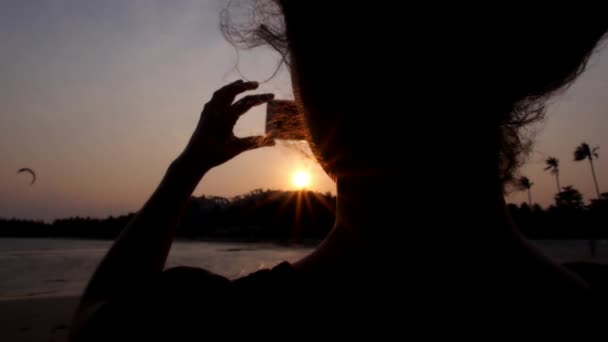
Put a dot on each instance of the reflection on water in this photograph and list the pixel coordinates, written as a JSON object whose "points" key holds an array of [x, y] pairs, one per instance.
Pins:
{"points": [[54, 267]]}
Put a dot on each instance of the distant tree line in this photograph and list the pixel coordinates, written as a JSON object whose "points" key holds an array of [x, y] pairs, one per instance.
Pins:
{"points": [[260, 215], [299, 216], [568, 218]]}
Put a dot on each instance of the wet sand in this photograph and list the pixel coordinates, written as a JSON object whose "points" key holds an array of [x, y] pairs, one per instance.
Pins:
{"points": [[36, 319]]}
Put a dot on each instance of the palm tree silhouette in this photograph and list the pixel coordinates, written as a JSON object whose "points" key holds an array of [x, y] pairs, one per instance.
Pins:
{"points": [[582, 152], [553, 167], [524, 183]]}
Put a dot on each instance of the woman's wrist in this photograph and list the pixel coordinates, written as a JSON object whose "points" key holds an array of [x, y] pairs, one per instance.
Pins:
{"points": [[187, 170]]}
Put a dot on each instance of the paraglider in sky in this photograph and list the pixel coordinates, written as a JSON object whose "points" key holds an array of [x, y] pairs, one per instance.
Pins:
{"points": [[30, 171]]}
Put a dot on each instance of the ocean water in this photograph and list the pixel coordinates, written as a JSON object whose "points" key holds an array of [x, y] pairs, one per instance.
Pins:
{"points": [[58, 267], [32, 268]]}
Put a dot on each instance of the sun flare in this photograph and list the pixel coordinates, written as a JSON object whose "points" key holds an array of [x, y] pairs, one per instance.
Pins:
{"points": [[301, 179]]}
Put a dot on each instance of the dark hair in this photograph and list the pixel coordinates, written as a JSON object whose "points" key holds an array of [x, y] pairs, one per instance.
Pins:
{"points": [[546, 52], [262, 25]]}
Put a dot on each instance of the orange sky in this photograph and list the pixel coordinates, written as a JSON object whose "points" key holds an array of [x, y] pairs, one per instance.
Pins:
{"points": [[99, 96]]}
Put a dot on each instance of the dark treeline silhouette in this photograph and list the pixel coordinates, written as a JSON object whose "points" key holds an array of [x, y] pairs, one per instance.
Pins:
{"points": [[78, 227], [295, 216], [568, 218], [260, 215]]}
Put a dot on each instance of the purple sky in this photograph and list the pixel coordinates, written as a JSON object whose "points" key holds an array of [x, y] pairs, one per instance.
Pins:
{"points": [[99, 96]]}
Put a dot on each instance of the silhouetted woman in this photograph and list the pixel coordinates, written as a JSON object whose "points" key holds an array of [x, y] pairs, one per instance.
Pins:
{"points": [[418, 114]]}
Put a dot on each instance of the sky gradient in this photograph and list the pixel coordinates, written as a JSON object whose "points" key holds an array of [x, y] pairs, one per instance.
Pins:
{"points": [[100, 96]]}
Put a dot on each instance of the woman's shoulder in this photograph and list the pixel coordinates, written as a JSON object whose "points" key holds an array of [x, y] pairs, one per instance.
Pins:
{"points": [[593, 273], [199, 279], [280, 274], [193, 286], [183, 297]]}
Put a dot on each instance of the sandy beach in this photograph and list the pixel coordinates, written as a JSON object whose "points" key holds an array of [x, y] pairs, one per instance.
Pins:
{"points": [[36, 320]]}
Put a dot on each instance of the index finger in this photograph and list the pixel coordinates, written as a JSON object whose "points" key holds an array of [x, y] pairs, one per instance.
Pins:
{"points": [[226, 95]]}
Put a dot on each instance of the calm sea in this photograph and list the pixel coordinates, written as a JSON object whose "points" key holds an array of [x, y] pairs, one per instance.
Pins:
{"points": [[57, 267]]}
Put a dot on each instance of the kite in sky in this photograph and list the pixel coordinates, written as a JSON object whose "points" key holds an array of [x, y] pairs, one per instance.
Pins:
{"points": [[30, 171]]}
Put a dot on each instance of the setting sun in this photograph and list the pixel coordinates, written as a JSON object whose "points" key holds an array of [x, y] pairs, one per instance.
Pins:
{"points": [[301, 179]]}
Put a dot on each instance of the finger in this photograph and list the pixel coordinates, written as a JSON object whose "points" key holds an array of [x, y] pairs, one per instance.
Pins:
{"points": [[225, 95], [250, 143], [241, 106]]}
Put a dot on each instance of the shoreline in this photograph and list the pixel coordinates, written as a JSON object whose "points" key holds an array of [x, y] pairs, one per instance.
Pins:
{"points": [[39, 296]]}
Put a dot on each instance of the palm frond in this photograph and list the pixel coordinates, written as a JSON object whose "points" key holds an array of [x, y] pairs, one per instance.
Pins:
{"points": [[552, 161], [582, 152], [524, 183], [552, 164], [594, 152]]}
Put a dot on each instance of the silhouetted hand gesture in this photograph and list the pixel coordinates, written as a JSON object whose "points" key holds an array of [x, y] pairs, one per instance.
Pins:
{"points": [[213, 142]]}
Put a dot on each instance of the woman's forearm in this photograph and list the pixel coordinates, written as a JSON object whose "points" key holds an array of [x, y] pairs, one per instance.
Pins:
{"points": [[140, 252]]}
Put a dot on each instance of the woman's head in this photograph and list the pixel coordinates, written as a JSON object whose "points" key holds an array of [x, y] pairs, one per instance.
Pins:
{"points": [[383, 85]]}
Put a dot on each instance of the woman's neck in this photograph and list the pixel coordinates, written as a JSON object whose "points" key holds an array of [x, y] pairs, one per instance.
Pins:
{"points": [[380, 223]]}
